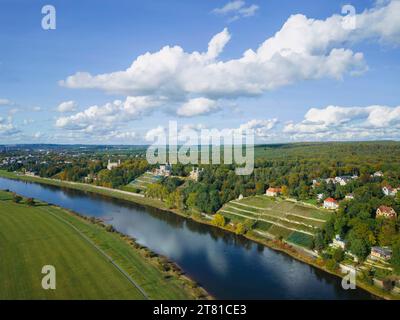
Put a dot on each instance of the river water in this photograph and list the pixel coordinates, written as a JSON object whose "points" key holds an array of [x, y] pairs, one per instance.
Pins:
{"points": [[227, 266]]}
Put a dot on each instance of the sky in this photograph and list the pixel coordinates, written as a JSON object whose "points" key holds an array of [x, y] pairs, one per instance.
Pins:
{"points": [[116, 72]]}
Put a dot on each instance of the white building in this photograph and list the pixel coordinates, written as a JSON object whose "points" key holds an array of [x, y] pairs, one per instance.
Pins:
{"points": [[378, 174], [389, 191], [338, 242], [112, 165], [273, 192], [343, 180], [331, 204], [195, 173], [164, 170]]}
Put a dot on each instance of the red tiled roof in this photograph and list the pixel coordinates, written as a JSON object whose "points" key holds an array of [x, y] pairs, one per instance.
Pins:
{"points": [[274, 189], [386, 209], [330, 200]]}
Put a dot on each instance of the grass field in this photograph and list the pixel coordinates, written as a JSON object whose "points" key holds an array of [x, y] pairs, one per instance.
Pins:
{"points": [[31, 237], [275, 217]]}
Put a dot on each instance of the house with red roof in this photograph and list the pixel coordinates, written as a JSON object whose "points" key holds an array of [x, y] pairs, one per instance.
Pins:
{"points": [[386, 212], [330, 203], [273, 192]]}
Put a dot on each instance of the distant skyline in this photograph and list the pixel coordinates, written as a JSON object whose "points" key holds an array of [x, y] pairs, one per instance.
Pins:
{"points": [[116, 72]]}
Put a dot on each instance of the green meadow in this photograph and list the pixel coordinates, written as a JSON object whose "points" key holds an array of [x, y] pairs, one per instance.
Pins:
{"points": [[81, 252]]}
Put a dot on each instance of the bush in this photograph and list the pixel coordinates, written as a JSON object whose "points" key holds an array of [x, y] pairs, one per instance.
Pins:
{"points": [[30, 202], [219, 220], [17, 198], [110, 228]]}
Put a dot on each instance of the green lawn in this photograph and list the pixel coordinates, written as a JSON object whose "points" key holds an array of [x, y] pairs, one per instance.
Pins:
{"points": [[31, 237]]}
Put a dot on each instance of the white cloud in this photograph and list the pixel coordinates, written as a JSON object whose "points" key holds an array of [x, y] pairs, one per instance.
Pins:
{"points": [[334, 122], [117, 135], [232, 6], [197, 106], [261, 128], [36, 109], [105, 117], [5, 102], [152, 134], [302, 49], [7, 128], [237, 9], [67, 106]]}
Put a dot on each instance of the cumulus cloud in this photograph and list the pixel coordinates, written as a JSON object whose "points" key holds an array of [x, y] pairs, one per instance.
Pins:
{"points": [[108, 115], [335, 122], [236, 9], [67, 106], [302, 49], [197, 106], [261, 128], [152, 134]]}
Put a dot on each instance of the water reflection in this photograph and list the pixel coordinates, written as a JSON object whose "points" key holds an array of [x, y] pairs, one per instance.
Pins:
{"points": [[228, 266]]}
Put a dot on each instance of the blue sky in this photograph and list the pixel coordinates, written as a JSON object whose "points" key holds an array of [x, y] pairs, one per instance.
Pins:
{"points": [[327, 84]]}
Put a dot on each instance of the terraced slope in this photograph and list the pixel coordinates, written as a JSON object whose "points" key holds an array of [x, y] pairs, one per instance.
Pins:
{"points": [[144, 181], [275, 217]]}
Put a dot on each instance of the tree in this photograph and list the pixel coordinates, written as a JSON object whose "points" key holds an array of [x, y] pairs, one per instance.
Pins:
{"points": [[219, 220], [30, 202], [360, 248], [285, 191], [170, 201], [319, 242], [191, 200], [338, 255], [240, 228], [387, 232], [260, 187], [395, 260]]}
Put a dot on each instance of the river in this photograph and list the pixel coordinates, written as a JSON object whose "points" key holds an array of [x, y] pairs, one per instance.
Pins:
{"points": [[226, 265]]}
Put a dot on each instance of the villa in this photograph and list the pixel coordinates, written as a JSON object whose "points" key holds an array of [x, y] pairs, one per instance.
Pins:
{"points": [[378, 174], [164, 170], [381, 253], [386, 212], [331, 204], [273, 192], [389, 191], [195, 173], [112, 165]]}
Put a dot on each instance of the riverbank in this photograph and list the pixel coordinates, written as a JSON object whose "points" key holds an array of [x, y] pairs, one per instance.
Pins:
{"points": [[297, 253], [92, 260]]}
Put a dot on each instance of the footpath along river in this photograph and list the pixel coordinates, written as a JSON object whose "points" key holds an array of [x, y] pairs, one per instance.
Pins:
{"points": [[227, 266]]}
